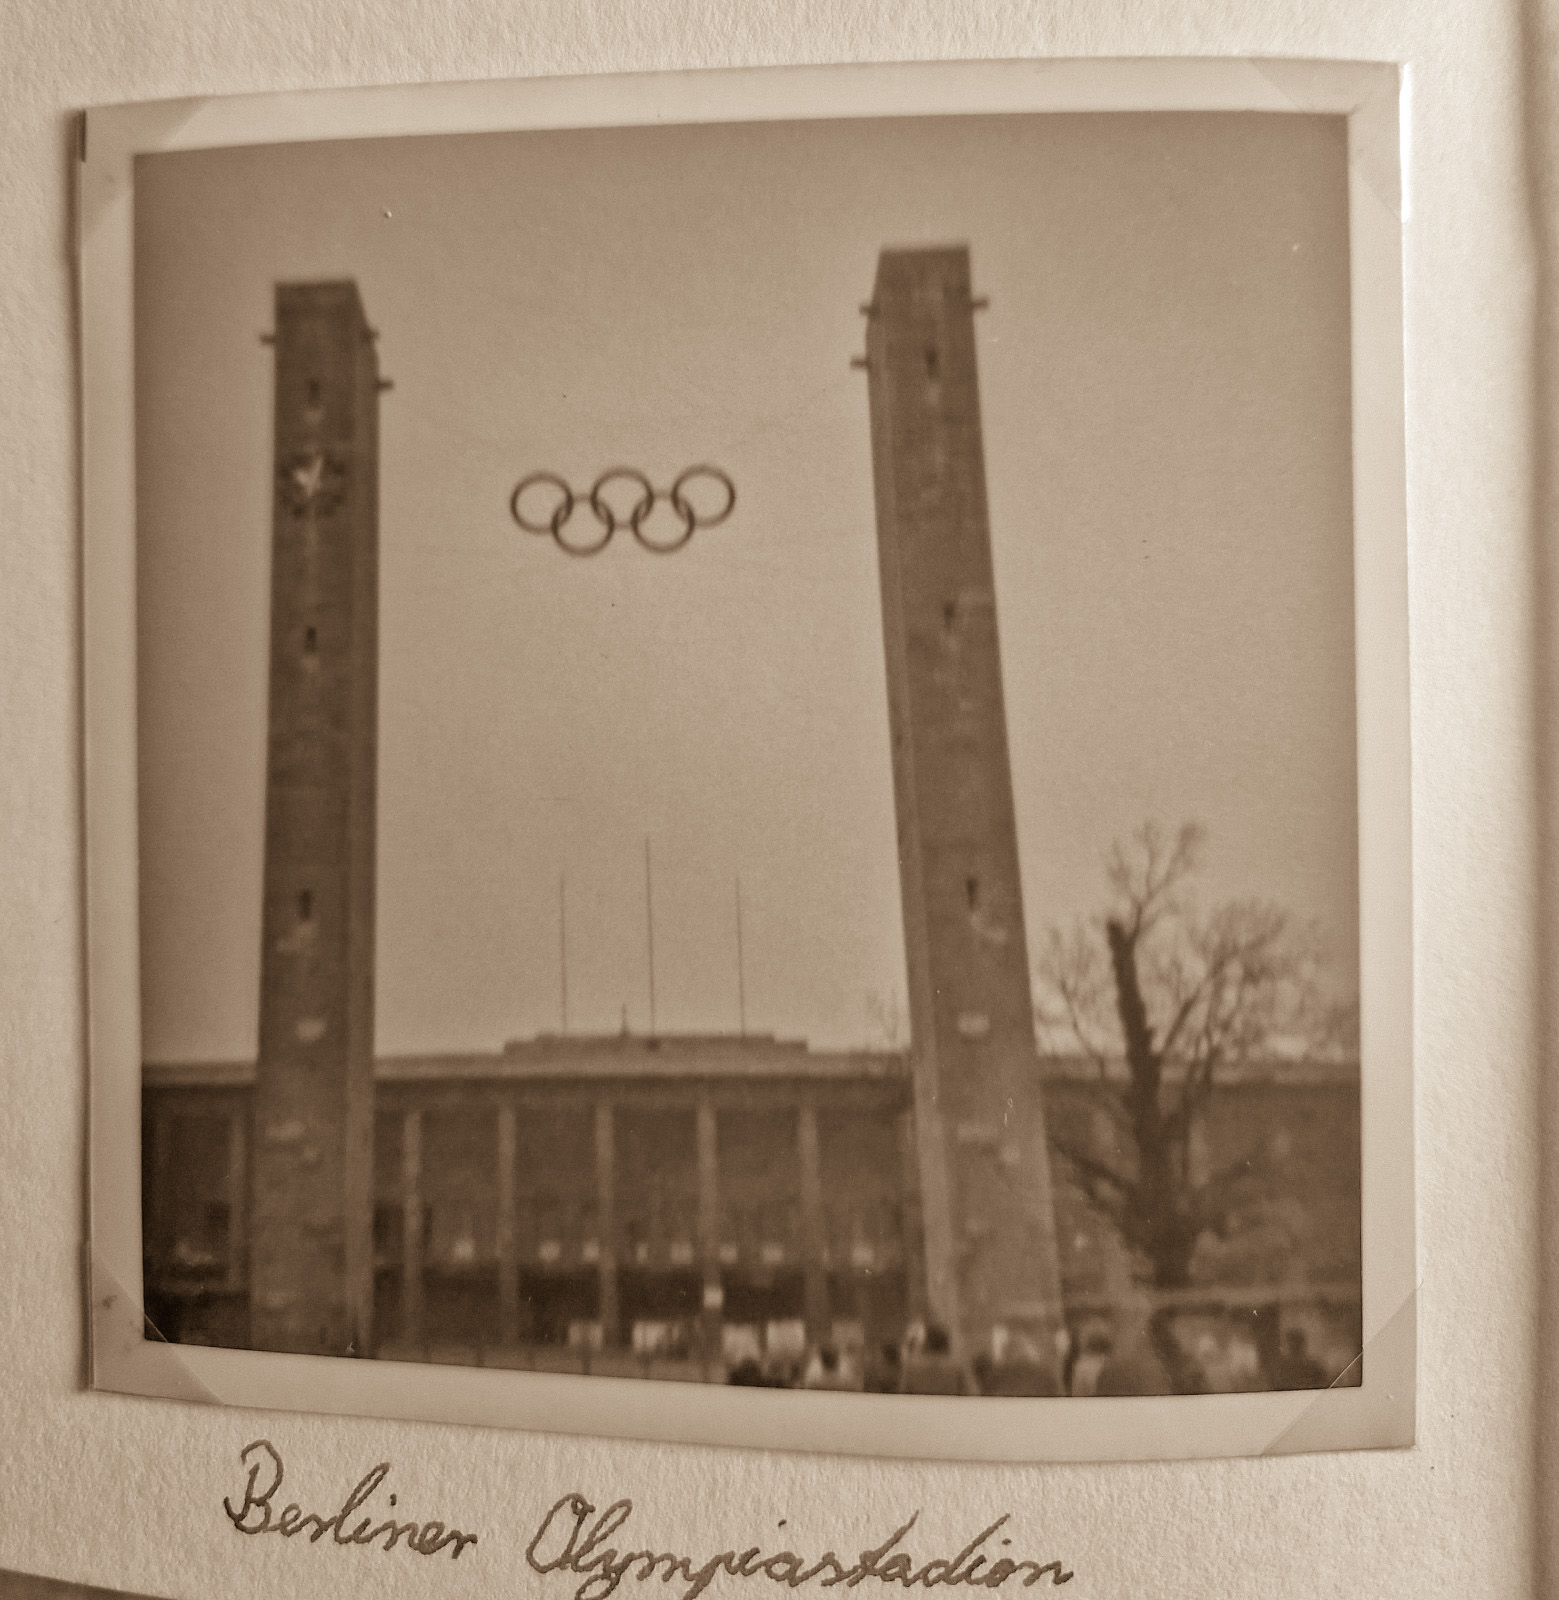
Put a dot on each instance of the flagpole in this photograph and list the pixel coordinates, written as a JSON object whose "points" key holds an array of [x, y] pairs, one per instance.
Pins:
{"points": [[741, 976], [649, 924], [563, 944]]}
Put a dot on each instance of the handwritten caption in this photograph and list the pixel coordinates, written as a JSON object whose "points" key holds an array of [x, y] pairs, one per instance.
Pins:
{"points": [[603, 1569], [573, 1537], [254, 1514]]}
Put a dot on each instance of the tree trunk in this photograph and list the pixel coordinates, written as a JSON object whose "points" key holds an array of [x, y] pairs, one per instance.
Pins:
{"points": [[1154, 1220]]}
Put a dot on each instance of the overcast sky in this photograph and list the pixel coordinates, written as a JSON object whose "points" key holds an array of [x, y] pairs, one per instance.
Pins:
{"points": [[1164, 380]]}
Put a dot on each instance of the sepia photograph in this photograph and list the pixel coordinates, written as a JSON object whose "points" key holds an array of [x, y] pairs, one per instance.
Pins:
{"points": [[747, 758]]}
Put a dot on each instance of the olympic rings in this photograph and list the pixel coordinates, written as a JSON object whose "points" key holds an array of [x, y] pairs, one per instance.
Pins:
{"points": [[635, 515]]}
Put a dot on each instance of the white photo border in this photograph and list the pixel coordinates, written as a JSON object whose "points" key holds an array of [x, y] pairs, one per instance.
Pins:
{"points": [[1378, 1413]]}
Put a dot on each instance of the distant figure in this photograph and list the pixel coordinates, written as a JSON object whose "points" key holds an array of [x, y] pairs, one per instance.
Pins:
{"points": [[1066, 1356], [1296, 1368], [1244, 1364], [1214, 1361], [747, 1374], [1090, 1363], [827, 1372], [1186, 1375], [1133, 1366], [1015, 1367], [882, 1375], [932, 1369]]}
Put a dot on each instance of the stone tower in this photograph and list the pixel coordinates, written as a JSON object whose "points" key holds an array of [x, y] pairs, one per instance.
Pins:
{"points": [[990, 1247], [311, 1269]]}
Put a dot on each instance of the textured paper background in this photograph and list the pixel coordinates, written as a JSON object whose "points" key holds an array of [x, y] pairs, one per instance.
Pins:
{"points": [[122, 1491]]}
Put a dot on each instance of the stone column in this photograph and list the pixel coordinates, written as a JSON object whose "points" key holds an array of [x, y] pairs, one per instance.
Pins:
{"points": [[508, 1258], [988, 1219], [411, 1228], [606, 1221], [237, 1198], [311, 1159], [814, 1229], [709, 1227]]}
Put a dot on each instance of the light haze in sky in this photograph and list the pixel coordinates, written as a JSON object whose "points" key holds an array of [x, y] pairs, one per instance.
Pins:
{"points": [[1164, 373]]}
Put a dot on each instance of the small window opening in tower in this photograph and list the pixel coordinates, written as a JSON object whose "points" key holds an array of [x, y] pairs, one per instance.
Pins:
{"points": [[972, 890], [310, 641], [313, 391], [306, 906], [949, 614], [931, 361]]}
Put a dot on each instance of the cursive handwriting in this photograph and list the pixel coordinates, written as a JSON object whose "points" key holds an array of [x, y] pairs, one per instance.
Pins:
{"points": [[254, 1515], [563, 1543]]}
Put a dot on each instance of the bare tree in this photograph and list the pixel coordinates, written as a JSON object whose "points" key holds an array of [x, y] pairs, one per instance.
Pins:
{"points": [[1176, 995]]}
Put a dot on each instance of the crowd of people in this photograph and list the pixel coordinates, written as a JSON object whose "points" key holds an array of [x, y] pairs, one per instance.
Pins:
{"points": [[1133, 1356]]}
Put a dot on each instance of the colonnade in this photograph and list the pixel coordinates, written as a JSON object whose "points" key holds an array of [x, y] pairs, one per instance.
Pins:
{"points": [[813, 1240], [412, 1189]]}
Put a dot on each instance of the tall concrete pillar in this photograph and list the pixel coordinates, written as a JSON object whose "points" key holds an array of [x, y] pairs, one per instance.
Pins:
{"points": [[990, 1250], [311, 1212]]}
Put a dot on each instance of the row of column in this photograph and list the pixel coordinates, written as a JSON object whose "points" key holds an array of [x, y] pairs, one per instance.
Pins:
{"points": [[816, 1308]]}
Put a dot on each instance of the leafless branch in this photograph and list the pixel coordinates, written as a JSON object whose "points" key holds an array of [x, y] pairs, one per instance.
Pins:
{"points": [[1148, 874], [1074, 969]]}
